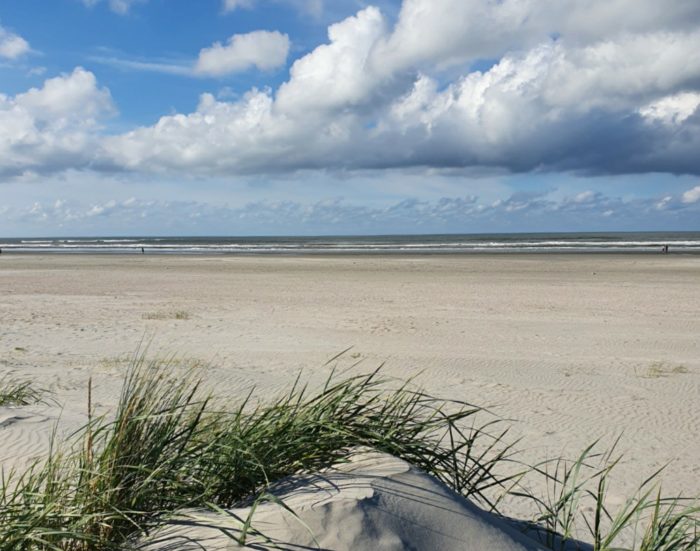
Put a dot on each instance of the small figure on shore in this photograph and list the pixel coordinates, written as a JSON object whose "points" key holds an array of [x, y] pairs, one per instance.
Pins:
{"points": [[665, 249], [143, 251]]}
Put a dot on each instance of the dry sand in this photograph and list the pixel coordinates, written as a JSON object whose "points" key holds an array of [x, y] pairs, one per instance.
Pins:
{"points": [[571, 347], [375, 502]]}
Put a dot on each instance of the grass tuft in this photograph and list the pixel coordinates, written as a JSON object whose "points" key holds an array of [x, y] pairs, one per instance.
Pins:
{"points": [[18, 393], [170, 315], [576, 501], [659, 370]]}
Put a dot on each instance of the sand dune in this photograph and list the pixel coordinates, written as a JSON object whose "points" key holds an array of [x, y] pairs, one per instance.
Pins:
{"points": [[374, 502]]}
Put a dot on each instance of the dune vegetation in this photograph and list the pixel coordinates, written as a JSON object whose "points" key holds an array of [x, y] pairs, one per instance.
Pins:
{"points": [[170, 445], [15, 392]]}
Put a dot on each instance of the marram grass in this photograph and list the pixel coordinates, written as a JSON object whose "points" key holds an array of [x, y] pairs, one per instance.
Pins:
{"points": [[576, 498], [168, 446], [15, 392]]}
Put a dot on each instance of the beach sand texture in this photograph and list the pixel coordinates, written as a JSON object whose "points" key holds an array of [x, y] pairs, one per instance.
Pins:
{"points": [[570, 347], [373, 502]]}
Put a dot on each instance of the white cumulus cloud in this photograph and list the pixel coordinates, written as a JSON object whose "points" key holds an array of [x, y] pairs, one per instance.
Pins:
{"points": [[337, 74], [692, 195], [455, 31], [53, 127], [672, 109], [262, 49], [12, 45]]}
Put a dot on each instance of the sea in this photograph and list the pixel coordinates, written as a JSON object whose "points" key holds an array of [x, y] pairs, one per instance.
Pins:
{"points": [[502, 243]]}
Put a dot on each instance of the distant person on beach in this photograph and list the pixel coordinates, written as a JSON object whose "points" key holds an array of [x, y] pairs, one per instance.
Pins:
{"points": [[665, 249], [143, 251]]}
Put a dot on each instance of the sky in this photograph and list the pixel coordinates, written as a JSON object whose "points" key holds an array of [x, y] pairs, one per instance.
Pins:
{"points": [[327, 117]]}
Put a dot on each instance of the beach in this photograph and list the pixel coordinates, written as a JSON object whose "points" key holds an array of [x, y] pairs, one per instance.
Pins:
{"points": [[569, 348]]}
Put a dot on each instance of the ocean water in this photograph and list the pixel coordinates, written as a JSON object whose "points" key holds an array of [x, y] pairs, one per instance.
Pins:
{"points": [[648, 242]]}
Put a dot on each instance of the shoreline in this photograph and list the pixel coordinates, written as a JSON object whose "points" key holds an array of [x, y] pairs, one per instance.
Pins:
{"points": [[390, 245], [152, 253]]}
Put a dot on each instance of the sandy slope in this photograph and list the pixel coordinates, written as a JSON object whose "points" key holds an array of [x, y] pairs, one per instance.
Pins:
{"points": [[572, 348], [374, 502]]}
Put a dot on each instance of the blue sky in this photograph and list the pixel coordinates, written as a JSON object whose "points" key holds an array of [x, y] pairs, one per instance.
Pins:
{"points": [[257, 117]]}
